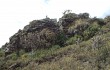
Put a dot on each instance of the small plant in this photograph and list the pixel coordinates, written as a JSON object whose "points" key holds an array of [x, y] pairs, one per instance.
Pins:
{"points": [[74, 40], [1, 53], [91, 31], [13, 56], [21, 52], [61, 39], [25, 56], [98, 42], [55, 47]]}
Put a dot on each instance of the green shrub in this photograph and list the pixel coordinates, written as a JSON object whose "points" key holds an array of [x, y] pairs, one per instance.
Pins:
{"points": [[61, 39], [13, 56], [25, 56], [55, 47], [1, 53], [21, 52], [48, 35], [91, 31], [73, 40], [104, 53]]}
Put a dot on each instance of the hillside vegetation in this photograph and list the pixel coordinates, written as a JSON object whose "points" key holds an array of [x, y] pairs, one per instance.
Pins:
{"points": [[75, 42]]}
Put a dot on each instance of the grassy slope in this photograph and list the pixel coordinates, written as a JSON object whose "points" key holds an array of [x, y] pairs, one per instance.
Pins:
{"points": [[72, 57], [78, 57]]}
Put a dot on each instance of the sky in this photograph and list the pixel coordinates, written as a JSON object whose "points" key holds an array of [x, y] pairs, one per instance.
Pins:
{"points": [[15, 14]]}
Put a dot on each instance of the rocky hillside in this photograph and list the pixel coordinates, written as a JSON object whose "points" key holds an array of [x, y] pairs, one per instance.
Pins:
{"points": [[38, 34], [76, 42]]}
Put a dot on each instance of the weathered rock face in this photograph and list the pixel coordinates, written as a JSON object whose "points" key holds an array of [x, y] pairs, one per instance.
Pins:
{"points": [[38, 25], [38, 34]]}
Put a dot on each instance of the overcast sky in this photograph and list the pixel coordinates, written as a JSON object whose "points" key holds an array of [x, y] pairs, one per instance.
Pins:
{"points": [[15, 14]]}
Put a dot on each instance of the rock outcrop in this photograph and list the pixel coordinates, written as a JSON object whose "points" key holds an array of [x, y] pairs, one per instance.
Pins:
{"points": [[38, 34]]}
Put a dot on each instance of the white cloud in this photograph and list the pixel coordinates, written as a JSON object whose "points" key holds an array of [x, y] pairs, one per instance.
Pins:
{"points": [[15, 14]]}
